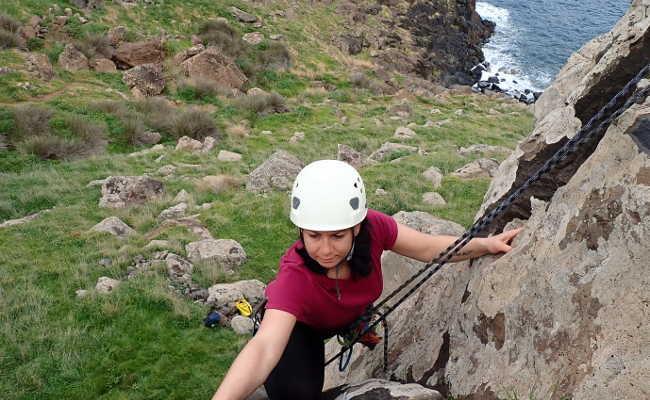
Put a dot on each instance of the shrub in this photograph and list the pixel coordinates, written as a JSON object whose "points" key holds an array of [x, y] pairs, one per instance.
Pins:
{"points": [[8, 39], [9, 24], [116, 108], [238, 130], [35, 44], [274, 56], [86, 130], [32, 120], [159, 114], [219, 33], [360, 80], [199, 89], [194, 123], [262, 103], [132, 128], [50, 147], [95, 44], [54, 52]]}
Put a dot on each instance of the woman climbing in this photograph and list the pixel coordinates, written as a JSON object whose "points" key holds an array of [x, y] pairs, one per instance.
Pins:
{"points": [[326, 280]]}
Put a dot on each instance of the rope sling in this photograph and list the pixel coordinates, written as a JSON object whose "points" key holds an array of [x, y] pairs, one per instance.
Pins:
{"points": [[593, 129]]}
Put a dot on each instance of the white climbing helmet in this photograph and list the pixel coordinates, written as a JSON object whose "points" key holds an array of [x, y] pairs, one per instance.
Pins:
{"points": [[328, 195]]}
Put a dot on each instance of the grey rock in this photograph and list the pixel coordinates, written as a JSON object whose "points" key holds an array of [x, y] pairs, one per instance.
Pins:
{"points": [[226, 294], [149, 138], [178, 268], [182, 197], [188, 144], [434, 176], [166, 169], [154, 149], [297, 137], [114, 226], [147, 79], [72, 59], [242, 15], [228, 156], [82, 293], [124, 191], [350, 156], [116, 35], [374, 389], [433, 199], [480, 149], [253, 38], [226, 253], [481, 168], [106, 261], [278, 172], [242, 325], [403, 132], [388, 149], [175, 212], [106, 284], [39, 64]]}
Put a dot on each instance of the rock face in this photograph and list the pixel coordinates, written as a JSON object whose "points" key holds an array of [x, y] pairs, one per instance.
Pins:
{"points": [[278, 172], [40, 65], [375, 389], [215, 66], [123, 191], [72, 59], [563, 315], [129, 55]]}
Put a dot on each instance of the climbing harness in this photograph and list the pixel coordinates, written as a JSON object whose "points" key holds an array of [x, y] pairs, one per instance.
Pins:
{"points": [[366, 336], [599, 123], [244, 307]]}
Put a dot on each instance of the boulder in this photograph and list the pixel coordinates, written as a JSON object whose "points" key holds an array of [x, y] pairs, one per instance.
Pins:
{"points": [[191, 223], [387, 149], [114, 226], [154, 149], [228, 156], [102, 65], [116, 35], [158, 244], [106, 284], [149, 137], [226, 294], [128, 55], [124, 191], [39, 64], [182, 196], [187, 53], [297, 137], [278, 172], [177, 211], [403, 132], [253, 38], [72, 59], [433, 199], [211, 64], [226, 253], [178, 268], [480, 149], [209, 143], [243, 16], [242, 325], [166, 170], [481, 168], [375, 389], [350, 156], [147, 79], [434, 176], [186, 143]]}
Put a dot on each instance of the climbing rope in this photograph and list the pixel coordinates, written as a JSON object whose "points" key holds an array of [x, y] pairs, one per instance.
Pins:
{"points": [[585, 134]]}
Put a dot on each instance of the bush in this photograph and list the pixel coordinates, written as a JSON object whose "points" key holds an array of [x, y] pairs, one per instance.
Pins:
{"points": [[35, 44], [199, 89], [274, 56], [95, 44], [219, 33], [116, 108], [159, 115], [32, 120], [9, 24], [132, 128], [8, 39], [88, 131], [196, 124], [50, 147], [264, 103]]}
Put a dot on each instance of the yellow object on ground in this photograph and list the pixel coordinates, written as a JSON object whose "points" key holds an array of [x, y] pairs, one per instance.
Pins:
{"points": [[244, 307]]}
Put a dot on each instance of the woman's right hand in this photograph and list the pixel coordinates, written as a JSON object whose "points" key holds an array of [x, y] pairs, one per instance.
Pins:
{"points": [[258, 358]]}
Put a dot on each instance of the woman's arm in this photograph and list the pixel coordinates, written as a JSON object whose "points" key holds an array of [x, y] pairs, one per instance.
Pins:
{"points": [[423, 247], [258, 358]]}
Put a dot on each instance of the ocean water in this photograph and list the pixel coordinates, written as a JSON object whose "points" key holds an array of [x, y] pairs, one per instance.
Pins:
{"points": [[534, 38]]}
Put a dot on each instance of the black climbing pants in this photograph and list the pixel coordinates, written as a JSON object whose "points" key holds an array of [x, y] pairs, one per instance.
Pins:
{"points": [[300, 373]]}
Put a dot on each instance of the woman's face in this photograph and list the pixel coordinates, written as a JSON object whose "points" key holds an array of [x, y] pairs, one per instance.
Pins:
{"points": [[329, 248]]}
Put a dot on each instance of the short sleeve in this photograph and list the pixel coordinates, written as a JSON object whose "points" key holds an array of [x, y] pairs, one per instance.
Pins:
{"points": [[384, 227], [286, 293]]}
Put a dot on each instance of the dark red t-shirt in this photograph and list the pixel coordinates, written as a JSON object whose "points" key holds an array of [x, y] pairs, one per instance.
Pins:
{"points": [[312, 297]]}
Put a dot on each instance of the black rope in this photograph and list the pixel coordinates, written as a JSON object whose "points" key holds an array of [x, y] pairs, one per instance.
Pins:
{"points": [[584, 134]]}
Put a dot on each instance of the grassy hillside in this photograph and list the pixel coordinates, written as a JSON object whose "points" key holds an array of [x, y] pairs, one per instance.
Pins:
{"points": [[144, 341]]}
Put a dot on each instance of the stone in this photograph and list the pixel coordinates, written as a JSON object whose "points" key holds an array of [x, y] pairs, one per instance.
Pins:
{"points": [[256, 92], [297, 137], [434, 111], [242, 15], [131, 54], [187, 53], [72, 59], [105, 261], [97, 182], [39, 64], [387, 149], [154, 149], [380, 192], [182, 196], [209, 143], [149, 138], [242, 325], [175, 212], [434, 176], [102, 65], [375, 389], [266, 132], [166, 170], [404, 133], [106, 285], [276, 37], [459, 112], [148, 79], [114, 226], [178, 268], [61, 20], [350, 156], [433, 199], [226, 294], [481, 168], [20, 221], [480, 149], [124, 191], [253, 38], [213, 65], [226, 253], [82, 293], [228, 156], [217, 183], [206, 206], [186, 143], [158, 244], [276, 173], [191, 223]]}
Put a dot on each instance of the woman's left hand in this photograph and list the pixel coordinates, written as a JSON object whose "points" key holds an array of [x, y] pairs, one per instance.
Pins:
{"points": [[500, 243]]}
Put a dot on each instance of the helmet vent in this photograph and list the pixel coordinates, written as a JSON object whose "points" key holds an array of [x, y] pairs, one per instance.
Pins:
{"points": [[355, 185], [354, 202], [295, 202]]}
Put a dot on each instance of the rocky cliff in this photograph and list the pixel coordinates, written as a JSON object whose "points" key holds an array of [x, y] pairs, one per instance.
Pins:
{"points": [[564, 315], [436, 39]]}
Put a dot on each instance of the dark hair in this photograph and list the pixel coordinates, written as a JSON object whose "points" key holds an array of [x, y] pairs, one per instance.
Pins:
{"points": [[360, 261]]}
